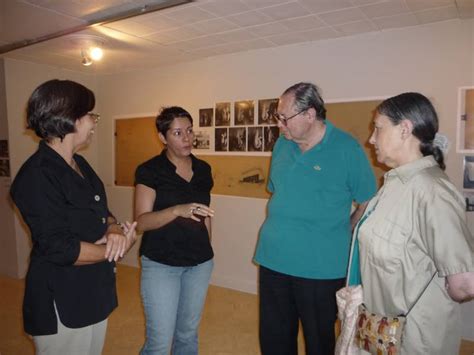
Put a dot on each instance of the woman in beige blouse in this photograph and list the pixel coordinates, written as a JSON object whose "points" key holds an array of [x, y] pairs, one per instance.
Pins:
{"points": [[416, 252]]}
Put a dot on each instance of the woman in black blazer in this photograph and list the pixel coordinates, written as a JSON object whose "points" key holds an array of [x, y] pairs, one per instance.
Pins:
{"points": [[70, 284]]}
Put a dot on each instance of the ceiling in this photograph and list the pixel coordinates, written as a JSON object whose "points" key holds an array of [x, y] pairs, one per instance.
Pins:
{"points": [[199, 29]]}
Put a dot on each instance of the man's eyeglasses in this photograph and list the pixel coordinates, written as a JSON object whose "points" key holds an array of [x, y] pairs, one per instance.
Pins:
{"points": [[284, 119], [94, 116]]}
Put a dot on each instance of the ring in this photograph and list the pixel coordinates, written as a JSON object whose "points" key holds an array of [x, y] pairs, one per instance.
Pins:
{"points": [[198, 208]]}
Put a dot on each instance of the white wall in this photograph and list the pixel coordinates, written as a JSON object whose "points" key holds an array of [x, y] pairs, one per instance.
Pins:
{"points": [[435, 59]]}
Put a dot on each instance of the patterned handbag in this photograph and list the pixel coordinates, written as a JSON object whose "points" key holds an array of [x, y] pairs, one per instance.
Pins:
{"points": [[378, 334]]}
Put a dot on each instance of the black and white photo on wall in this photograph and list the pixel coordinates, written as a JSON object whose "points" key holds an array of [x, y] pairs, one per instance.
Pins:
{"points": [[4, 167], [222, 114], [468, 180], [267, 111], [4, 148], [237, 139], [201, 140], [469, 198], [206, 116], [221, 139], [270, 135], [255, 139], [244, 113]]}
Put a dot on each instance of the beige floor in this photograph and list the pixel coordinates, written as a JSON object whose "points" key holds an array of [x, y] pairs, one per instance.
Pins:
{"points": [[228, 327]]}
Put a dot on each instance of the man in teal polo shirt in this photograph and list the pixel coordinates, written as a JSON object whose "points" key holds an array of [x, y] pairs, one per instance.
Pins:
{"points": [[317, 172]]}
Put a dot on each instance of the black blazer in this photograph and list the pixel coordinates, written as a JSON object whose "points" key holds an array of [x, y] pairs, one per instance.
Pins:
{"points": [[61, 209]]}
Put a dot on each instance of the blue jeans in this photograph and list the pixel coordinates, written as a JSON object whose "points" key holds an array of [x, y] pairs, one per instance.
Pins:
{"points": [[173, 298]]}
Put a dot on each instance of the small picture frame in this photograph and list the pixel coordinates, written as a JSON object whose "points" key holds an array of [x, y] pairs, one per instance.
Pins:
{"points": [[267, 111], [202, 140], [237, 139], [5, 167], [270, 136], [222, 114], [244, 113], [206, 117], [255, 139], [465, 120], [221, 140], [4, 148]]}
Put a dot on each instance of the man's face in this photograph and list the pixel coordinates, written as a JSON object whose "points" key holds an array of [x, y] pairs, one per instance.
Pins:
{"points": [[291, 121]]}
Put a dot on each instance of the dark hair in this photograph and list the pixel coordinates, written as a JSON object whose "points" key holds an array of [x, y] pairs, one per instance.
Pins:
{"points": [[167, 115], [307, 96], [416, 108], [56, 105]]}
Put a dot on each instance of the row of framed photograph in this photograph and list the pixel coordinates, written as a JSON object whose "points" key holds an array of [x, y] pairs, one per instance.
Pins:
{"points": [[237, 139], [244, 114]]}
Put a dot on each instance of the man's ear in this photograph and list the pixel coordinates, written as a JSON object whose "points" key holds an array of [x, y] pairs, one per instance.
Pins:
{"points": [[407, 128], [312, 113]]}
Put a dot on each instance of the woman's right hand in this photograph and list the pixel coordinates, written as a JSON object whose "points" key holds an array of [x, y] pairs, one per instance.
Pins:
{"points": [[117, 244], [193, 211]]}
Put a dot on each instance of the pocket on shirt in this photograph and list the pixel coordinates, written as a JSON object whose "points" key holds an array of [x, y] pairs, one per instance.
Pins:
{"points": [[388, 245]]}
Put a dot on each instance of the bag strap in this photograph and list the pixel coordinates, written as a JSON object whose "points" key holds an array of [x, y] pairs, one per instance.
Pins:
{"points": [[353, 271]]}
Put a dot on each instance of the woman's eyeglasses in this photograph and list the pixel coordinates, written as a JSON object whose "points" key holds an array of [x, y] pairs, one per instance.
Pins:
{"points": [[94, 116]]}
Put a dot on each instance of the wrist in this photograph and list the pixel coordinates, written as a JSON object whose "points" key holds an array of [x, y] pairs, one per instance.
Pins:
{"points": [[115, 227]]}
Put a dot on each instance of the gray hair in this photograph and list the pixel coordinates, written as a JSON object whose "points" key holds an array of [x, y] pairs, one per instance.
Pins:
{"points": [[307, 96]]}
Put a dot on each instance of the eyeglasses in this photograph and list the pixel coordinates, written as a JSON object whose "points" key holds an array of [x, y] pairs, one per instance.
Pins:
{"points": [[284, 119], [94, 116]]}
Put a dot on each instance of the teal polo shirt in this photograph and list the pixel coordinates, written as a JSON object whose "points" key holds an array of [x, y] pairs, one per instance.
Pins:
{"points": [[307, 230]]}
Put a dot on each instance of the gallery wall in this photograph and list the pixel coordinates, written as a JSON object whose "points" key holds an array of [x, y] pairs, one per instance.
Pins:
{"points": [[435, 59]]}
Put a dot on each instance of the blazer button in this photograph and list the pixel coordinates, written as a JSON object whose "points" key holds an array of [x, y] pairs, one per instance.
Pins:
{"points": [[97, 198], [104, 220]]}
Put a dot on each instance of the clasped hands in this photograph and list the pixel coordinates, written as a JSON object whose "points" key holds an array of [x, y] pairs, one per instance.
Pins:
{"points": [[118, 240]]}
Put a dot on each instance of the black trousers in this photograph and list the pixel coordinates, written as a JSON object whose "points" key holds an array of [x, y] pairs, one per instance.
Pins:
{"points": [[284, 300]]}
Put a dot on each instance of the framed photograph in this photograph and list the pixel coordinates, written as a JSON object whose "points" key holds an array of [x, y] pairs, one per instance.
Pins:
{"points": [[206, 116], [244, 113], [223, 114], [255, 141], [469, 197], [221, 140], [4, 148], [237, 139], [202, 140], [468, 179], [4, 167], [465, 120], [267, 111], [270, 135]]}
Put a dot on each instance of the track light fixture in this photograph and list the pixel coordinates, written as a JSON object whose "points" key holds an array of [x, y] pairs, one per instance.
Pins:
{"points": [[91, 48]]}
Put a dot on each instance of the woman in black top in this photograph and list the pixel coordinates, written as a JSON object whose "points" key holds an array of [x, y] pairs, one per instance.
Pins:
{"points": [[172, 208], [70, 283]]}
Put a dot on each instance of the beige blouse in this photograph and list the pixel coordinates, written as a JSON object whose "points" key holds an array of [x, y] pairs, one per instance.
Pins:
{"points": [[417, 230]]}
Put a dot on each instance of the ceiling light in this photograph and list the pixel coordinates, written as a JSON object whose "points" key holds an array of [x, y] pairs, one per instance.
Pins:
{"points": [[90, 47], [96, 53]]}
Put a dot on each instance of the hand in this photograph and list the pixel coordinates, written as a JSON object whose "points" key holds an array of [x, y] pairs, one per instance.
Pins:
{"points": [[115, 243], [193, 210], [130, 233]]}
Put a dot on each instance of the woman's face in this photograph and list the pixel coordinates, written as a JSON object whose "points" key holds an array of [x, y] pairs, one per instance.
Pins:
{"points": [[85, 127], [179, 137], [387, 140]]}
